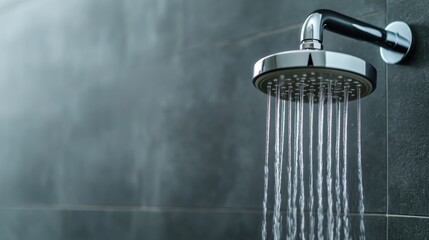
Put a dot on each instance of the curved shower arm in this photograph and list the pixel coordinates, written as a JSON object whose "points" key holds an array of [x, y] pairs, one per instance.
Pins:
{"points": [[312, 31]]}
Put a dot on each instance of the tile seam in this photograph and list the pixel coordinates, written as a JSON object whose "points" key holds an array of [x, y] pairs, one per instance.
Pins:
{"points": [[387, 133]]}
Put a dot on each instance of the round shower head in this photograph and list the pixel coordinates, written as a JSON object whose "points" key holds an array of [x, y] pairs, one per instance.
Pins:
{"points": [[313, 71]]}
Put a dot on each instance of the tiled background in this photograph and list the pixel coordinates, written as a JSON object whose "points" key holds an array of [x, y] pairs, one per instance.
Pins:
{"points": [[138, 120]]}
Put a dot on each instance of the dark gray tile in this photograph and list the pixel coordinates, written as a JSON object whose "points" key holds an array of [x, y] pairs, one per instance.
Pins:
{"points": [[8, 5], [96, 225], [100, 166], [79, 37], [408, 228], [30, 166], [375, 227], [32, 140], [196, 225], [153, 28], [30, 224], [407, 108], [65, 128], [207, 23]]}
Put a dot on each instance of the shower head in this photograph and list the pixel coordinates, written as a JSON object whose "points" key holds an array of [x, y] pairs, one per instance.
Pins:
{"points": [[312, 71]]}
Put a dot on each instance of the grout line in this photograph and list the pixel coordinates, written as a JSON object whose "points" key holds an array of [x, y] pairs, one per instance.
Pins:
{"points": [[369, 214], [387, 133], [132, 209], [408, 216]]}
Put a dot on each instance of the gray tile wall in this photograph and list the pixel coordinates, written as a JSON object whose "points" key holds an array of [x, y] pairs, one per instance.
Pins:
{"points": [[138, 120]]}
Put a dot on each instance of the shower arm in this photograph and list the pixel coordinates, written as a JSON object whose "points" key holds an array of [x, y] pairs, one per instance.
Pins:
{"points": [[395, 41]]}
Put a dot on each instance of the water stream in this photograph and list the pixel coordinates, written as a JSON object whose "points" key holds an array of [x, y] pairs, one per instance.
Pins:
{"points": [[310, 166], [289, 165], [295, 173], [277, 182], [266, 167], [359, 160], [330, 229], [337, 172], [346, 228], [320, 165], [301, 163]]}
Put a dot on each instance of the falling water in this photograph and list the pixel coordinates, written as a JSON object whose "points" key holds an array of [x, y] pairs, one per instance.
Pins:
{"points": [[289, 164], [277, 180], [282, 136], [330, 229], [301, 162], [266, 169], [345, 197], [337, 173], [320, 165], [291, 150], [295, 173], [360, 184], [310, 165]]}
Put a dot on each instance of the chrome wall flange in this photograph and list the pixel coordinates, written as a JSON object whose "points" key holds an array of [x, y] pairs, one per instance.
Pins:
{"points": [[403, 35]]}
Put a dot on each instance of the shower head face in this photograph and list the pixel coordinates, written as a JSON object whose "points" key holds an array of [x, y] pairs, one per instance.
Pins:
{"points": [[313, 72]]}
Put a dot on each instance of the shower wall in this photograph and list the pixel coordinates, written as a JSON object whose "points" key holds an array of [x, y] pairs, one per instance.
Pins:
{"points": [[138, 120]]}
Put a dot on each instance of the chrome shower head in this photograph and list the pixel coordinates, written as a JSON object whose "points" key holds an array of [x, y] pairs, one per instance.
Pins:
{"points": [[314, 69]]}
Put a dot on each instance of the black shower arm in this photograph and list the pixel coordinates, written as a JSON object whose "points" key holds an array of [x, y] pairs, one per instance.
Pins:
{"points": [[312, 31]]}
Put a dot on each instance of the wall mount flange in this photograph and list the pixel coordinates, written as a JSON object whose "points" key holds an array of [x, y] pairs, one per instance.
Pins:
{"points": [[403, 34]]}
